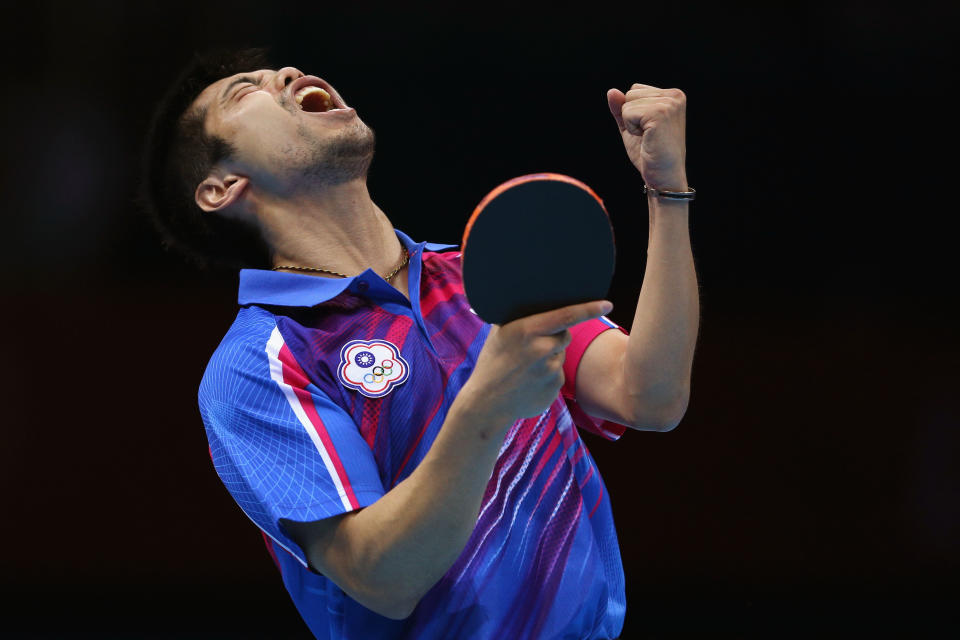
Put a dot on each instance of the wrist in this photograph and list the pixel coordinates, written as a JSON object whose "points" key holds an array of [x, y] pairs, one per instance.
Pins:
{"points": [[662, 205], [676, 182], [670, 198], [476, 411]]}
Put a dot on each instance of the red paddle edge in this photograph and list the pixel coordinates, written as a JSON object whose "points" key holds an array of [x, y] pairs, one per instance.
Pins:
{"points": [[520, 180]]}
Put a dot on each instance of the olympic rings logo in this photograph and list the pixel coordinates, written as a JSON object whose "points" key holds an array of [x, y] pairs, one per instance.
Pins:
{"points": [[372, 367], [377, 374]]}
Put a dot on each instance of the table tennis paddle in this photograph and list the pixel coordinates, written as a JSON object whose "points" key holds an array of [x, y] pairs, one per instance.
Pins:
{"points": [[536, 243]]}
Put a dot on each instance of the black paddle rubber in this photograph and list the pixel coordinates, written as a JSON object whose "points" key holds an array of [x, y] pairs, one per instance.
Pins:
{"points": [[536, 243]]}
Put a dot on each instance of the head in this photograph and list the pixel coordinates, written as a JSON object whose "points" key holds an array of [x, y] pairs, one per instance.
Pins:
{"points": [[230, 135]]}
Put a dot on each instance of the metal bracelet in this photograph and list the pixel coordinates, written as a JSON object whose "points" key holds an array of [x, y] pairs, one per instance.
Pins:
{"points": [[670, 195]]}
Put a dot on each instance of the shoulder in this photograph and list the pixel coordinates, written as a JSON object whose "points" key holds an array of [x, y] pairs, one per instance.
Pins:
{"points": [[241, 354], [443, 267], [443, 259]]}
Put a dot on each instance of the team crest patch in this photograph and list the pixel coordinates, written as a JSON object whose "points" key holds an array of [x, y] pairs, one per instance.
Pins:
{"points": [[372, 367]]}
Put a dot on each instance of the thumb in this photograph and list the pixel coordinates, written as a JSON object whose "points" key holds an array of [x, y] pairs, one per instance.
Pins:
{"points": [[615, 100]]}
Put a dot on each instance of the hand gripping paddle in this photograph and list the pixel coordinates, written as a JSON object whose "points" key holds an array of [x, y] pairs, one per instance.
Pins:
{"points": [[536, 243]]}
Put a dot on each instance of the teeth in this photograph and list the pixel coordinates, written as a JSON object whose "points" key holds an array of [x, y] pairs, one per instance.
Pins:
{"points": [[303, 93]]}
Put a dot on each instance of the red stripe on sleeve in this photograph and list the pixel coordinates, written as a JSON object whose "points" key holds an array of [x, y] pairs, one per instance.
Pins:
{"points": [[294, 376], [582, 335]]}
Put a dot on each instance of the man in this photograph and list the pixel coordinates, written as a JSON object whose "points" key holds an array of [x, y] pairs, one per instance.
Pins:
{"points": [[452, 496]]}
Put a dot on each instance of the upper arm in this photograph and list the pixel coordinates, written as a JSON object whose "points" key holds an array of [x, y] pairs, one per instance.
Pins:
{"points": [[326, 546], [599, 381], [281, 446], [603, 391]]}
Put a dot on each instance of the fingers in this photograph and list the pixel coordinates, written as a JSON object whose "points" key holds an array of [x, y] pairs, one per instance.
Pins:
{"points": [[554, 364], [640, 113], [647, 91], [552, 322], [643, 96], [644, 105], [552, 354], [552, 345], [615, 100]]}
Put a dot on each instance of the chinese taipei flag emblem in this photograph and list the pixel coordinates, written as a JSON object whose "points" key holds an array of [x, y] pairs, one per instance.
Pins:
{"points": [[372, 367]]}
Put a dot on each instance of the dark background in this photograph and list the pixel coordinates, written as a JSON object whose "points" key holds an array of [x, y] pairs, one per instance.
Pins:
{"points": [[813, 484]]}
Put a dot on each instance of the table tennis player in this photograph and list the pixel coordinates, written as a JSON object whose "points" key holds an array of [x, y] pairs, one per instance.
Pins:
{"points": [[415, 471]]}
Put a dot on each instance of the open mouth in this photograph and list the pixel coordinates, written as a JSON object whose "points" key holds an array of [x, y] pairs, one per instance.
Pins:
{"points": [[313, 95], [314, 99]]}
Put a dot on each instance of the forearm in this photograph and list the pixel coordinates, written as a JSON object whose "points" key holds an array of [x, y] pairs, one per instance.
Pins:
{"points": [[404, 543], [389, 554], [659, 355]]}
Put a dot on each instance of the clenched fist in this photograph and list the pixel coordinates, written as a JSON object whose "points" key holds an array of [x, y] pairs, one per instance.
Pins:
{"points": [[652, 123]]}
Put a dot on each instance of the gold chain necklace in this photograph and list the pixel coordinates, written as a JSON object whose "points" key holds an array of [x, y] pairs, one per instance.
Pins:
{"points": [[403, 261]]}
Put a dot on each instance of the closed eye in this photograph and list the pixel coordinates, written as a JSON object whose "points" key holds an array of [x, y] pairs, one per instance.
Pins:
{"points": [[238, 82], [244, 92]]}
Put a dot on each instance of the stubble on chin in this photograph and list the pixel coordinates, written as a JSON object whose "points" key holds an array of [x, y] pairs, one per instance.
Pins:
{"points": [[341, 158]]}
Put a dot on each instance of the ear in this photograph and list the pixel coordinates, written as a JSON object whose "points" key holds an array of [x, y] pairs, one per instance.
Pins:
{"points": [[216, 193]]}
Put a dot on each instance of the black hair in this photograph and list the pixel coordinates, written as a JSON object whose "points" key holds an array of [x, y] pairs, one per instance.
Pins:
{"points": [[179, 154]]}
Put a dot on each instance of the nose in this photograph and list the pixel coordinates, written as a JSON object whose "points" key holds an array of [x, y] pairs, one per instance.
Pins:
{"points": [[285, 76]]}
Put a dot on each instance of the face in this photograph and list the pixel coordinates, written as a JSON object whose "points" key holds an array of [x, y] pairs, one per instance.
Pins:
{"points": [[291, 132]]}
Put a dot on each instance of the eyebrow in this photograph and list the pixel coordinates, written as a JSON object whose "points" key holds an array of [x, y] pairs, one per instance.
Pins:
{"points": [[235, 82]]}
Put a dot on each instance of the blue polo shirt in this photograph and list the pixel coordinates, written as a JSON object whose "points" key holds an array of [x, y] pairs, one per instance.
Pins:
{"points": [[326, 393]]}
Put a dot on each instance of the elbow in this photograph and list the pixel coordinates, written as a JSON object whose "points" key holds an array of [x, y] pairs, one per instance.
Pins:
{"points": [[673, 415], [662, 414], [391, 597], [396, 608], [389, 603], [339, 550], [670, 422], [656, 423], [390, 600]]}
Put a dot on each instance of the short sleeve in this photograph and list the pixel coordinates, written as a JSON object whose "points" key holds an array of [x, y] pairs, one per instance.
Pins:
{"points": [[582, 335], [282, 447]]}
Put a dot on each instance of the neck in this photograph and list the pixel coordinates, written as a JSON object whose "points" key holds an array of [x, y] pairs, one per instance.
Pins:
{"points": [[338, 228]]}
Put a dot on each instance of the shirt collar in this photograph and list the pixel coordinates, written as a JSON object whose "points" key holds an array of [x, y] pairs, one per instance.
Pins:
{"points": [[260, 286]]}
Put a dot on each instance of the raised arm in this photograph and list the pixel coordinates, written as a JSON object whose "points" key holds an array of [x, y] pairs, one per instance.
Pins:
{"points": [[649, 385]]}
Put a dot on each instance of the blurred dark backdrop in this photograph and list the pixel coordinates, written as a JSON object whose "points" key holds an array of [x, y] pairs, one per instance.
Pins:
{"points": [[813, 484]]}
